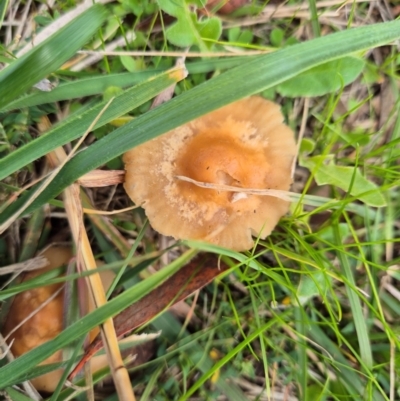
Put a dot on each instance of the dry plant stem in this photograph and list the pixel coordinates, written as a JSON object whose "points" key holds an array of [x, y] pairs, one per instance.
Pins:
{"points": [[174, 54], [392, 371], [118, 370], [29, 265], [58, 24], [167, 94], [5, 349], [285, 195], [15, 195], [108, 213], [300, 11], [23, 19], [83, 63], [74, 211], [301, 132], [102, 178]]}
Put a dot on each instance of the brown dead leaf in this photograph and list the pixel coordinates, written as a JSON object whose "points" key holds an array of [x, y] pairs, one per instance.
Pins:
{"points": [[192, 277]]}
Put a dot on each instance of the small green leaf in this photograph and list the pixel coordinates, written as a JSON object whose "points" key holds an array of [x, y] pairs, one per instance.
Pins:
{"points": [[188, 30], [233, 34], [111, 92], [210, 28], [246, 36], [276, 37], [327, 233], [181, 34], [311, 285], [325, 78], [307, 145], [174, 8], [129, 63], [342, 177]]}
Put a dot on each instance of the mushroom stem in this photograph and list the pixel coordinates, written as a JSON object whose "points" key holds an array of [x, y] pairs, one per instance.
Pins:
{"points": [[277, 193]]}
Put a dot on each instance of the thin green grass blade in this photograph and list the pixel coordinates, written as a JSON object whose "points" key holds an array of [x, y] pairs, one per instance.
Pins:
{"points": [[198, 355], [14, 372], [345, 373], [229, 356], [314, 18], [3, 9], [16, 395], [48, 56], [81, 88], [98, 84], [75, 126], [355, 305], [259, 74]]}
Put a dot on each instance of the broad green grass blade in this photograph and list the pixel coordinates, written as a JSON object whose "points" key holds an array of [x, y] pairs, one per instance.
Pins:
{"points": [[98, 84], [75, 126], [16, 395], [3, 9], [81, 88], [355, 305], [259, 74], [15, 370], [48, 56]]}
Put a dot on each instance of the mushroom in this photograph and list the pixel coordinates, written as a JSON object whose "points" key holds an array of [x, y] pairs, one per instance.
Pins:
{"points": [[47, 322], [244, 145]]}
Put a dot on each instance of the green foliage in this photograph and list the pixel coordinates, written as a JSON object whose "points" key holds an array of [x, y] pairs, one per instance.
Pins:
{"points": [[16, 370], [74, 126], [45, 58], [237, 35], [3, 8], [349, 179], [16, 395], [261, 73], [314, 284], [325, 78], [308, 307], [276, 37], [189, 30]]}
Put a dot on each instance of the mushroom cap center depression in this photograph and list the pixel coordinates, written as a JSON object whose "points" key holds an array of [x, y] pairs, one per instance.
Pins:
{"points": [[221, 159]]}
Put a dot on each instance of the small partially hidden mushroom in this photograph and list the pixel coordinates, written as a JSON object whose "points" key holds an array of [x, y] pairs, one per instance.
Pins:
{"points": [[244, 145], [46, 323]]}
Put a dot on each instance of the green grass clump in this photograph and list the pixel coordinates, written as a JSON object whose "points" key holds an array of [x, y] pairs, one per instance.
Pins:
{"points": [[313, 311]]}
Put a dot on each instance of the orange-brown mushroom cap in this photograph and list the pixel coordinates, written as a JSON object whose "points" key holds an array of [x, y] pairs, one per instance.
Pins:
{"points": [[245, 145], [42, 325]]}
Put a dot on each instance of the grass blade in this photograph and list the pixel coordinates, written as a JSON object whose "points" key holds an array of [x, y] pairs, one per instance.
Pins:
{"points": [[3, 9], [75, 126], [259, 74], [355, 305], [47, 57], [98, 84], [14, 372]]}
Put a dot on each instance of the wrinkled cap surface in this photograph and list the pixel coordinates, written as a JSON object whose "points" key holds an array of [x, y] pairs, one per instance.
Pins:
{"points": [[245, 145]]}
